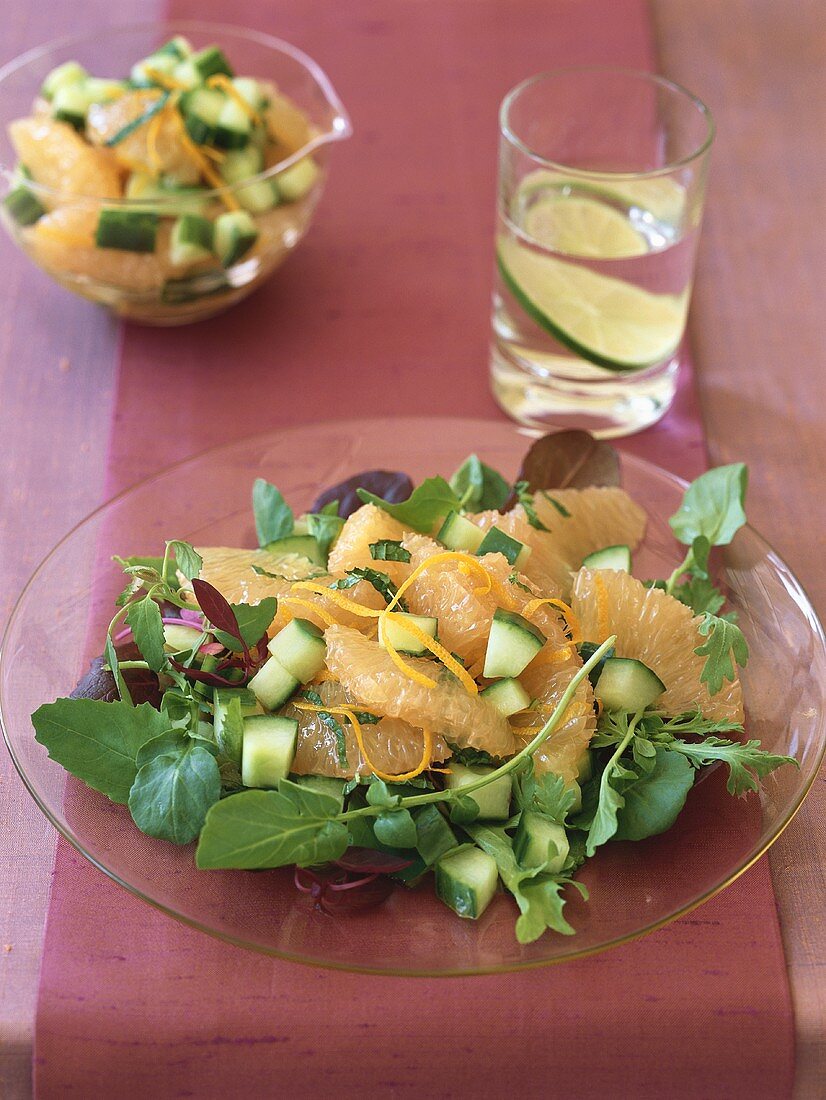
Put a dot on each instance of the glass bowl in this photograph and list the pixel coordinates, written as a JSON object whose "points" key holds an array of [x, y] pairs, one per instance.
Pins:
{"points": [[146, 286], [59, 620]]}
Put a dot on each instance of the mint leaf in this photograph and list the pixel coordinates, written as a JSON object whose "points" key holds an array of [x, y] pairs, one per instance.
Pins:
{"points": [[713, 506], [525, 497], [380, 581], [742, 760], [331, 723], [388, 550], [726, 647], [97, 741], [187, 558], [144, 619], [273, 516], [563, 511], [253, 620], [479, 487], [653, 802], [272, 829], [428, 504], [173, 791]]}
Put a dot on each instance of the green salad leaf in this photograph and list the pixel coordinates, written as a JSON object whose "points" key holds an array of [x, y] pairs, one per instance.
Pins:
{"points": [[174, 788], [187, 558], [479, 487], [252, 619], [388, 550], [428, 504], [274, 518], [325, 526], [144, 620], [713, 506], [396, 828], [745, 760], [653, 801], [724, 650], [525, 497]]}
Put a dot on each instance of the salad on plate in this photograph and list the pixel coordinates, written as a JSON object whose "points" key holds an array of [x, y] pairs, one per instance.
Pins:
{"points": [[461, 682]]}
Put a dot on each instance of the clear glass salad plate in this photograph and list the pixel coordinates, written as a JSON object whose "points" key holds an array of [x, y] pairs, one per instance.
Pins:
{"points": [[59, 622]]}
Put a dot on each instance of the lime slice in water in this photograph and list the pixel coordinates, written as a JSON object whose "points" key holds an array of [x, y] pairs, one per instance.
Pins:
{"points": [[583, 227], [607, 321], [660, 196]]}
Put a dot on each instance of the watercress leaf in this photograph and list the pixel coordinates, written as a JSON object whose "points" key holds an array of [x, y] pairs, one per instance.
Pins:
{"points": [[144, 619], [700, 594], [463, 809], [171, 741], [173, 791], [742, 759], [525, 497], [274, 518], [653, 802], [97, 741], [388, 550], [255, 829], [725, 648], [569, 459], [479, 487], [111, 656], [187, 558], [325, 527], [604, 823], [428, 504], [378, 794], [332, 794], [392, 485], [713, 506], [396, 828], [252, 620]]}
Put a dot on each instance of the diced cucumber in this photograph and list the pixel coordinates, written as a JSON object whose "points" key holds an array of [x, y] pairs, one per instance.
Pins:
{"points": [[23, 206], [144, 73], [127, 230], [70, 104], [499, 542], [191, 240], [210, 61], [300, 648], [402, 640], [459, 533], [272, 685], [512, 645], [178, 46], [434, 835], [231, 706], [304, 545], [235, 234], [232, 130], [508, 696], [587, 650], [494, 800], [610, 557], [539, 841], [466, 881], [627, 685], [201, 109], [294, 182], [67, 73], [268, 749], [100, 90], [585, 766], [179, 639], [187, 200], [257, 197], [242, 164], [249, 90]]}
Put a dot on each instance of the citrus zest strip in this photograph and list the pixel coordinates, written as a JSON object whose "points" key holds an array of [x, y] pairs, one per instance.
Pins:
{"points": [[338, 598], [434, 647], [470, 564], [222, 81], [402, 666], [548, 656], [602, 605], [325, 616], [571, 621], [205, 168], [167, 82]]}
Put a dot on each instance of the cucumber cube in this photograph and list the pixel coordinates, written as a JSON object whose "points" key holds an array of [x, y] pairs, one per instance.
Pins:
{"points": [[249, 90], [300, 648], [512, 645], [67, 73], [23, 206], [539, 841], [70, 104], [210, 61], [127, 230], [235, 234], [459, 533], [434, 835], [508, 696], [272, 685], [191, 240], [466, 881], [180, 639], [231, 707], [144, 73], [394, 633], [201, 109], [268, 749], [295, 182], [232, 130], [499, 542], [494, 800], [303, 545], [177, 47], [610, 557], [627, 685], [242, 164]]}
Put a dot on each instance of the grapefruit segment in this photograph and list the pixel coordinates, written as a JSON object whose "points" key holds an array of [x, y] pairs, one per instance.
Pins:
{"points": [[352, 547]]}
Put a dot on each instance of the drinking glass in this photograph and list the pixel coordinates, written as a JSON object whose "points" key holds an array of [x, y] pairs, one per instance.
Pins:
{"points": [[602, 177]]}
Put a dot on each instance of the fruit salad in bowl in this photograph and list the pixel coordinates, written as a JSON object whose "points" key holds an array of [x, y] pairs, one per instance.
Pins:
{"points": [[460, 683], [164, 175]]}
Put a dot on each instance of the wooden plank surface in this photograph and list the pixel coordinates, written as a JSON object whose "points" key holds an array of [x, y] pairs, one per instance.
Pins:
{"points": [[758, 337]]}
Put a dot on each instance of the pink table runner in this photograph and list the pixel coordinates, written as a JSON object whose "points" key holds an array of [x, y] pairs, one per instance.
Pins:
{"points": [[384, 311]]}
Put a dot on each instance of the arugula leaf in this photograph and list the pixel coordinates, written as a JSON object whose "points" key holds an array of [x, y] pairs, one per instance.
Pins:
{"points": [[173, 790], [325, 527], [144, 619], [396, 828], [110, 653], [273, 516], [380, 581], [713, 506], [653, 802], [388, 550], [479, 487], [331, 723], [553, 797], [563, 511], [700, 594], [429, 503], [253, 620], [187, 558], [538, 896], [525, 497], [742, 759], [725, 648], [255, 829], [98, 741], [606, 818]]}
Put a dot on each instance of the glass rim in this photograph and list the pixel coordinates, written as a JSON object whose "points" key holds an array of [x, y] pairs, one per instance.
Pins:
{"points": [[340, 128], [656, 79]]}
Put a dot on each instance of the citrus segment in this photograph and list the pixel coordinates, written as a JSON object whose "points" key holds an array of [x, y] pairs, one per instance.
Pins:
{"points": [[608, 321], [352, 547], [59, 158], [154, 147], [367, 671], [583, 227], [658, 630]]}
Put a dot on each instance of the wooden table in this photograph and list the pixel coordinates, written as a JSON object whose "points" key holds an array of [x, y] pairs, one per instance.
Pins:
{"points": [[758, 340]]}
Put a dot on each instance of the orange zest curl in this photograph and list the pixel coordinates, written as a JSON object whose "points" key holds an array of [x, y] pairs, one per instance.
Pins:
{"points": [[571, 621]]}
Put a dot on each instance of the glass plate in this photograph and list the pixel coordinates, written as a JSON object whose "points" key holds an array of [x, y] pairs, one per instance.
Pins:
{"points": [[60, 618]]}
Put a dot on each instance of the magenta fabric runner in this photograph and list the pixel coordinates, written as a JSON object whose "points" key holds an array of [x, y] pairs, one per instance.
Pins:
{"points": [[383, 311]]}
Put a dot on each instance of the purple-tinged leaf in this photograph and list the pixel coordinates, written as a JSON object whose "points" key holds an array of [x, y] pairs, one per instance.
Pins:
{"points": [[369, 861], [390, 485]]}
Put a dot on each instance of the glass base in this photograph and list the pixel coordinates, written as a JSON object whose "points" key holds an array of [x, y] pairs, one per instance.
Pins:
{"points": [[619, 405]]}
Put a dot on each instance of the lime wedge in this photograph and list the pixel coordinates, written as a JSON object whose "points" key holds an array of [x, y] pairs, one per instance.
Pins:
{"points": [[607, 321], [660, 196], [583, 227]]}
